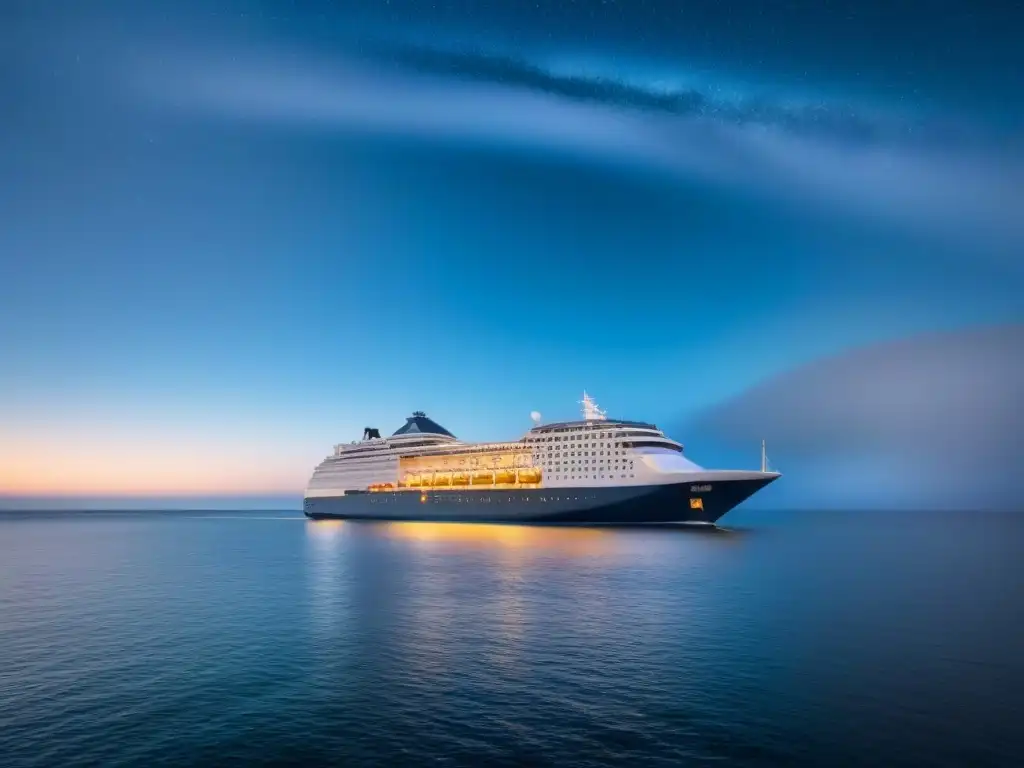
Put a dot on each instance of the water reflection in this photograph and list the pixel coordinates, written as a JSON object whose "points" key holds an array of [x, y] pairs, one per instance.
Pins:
{"points": [[474, 600], [328, 579], [573, 542], [836, 639], [510, 591]]}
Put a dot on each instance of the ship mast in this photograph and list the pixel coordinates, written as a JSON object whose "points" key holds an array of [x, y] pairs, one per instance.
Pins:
{"points": [[764, 458], [590, 410]]}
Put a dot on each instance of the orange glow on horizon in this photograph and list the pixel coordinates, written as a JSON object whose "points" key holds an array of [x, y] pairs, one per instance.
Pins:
{"points": [[121, 480], [147, 470]]}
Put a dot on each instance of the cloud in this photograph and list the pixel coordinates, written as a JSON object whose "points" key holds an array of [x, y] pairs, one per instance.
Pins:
{"points": [[934, 420], [818, 117], [831, 159]]}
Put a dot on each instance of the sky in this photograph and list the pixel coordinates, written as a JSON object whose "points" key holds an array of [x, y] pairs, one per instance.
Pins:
{"points": [[234, 233]]}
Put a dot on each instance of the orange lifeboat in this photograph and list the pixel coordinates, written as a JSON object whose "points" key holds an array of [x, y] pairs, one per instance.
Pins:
{"points": [[460, 478], [442, 478], [505, 477], [483, 478], [531, 476]]}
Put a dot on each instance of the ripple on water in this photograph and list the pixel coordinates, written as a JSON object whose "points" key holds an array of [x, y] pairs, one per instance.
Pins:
{"points": [[219, 639]]}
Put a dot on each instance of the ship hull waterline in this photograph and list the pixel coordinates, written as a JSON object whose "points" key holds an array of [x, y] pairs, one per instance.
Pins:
{"points": [[684, 502]]}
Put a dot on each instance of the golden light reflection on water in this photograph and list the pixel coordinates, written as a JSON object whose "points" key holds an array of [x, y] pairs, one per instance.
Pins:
{"points": [[327, 577], [575, 542], [496, 588], [324, 529], [509, 610]]}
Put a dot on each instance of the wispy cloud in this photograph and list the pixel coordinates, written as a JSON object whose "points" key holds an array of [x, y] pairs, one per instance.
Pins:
{"points": [[887, 168], [809, 117]]}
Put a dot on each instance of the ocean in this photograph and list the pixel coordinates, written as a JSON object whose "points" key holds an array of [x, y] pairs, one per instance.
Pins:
{"points": [[262, 639]]}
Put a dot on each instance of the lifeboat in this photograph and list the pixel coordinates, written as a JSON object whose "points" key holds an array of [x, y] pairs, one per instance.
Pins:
{"points": [[483, 478], [442, 478], [460, 478], [505, 477], [529, 475]]}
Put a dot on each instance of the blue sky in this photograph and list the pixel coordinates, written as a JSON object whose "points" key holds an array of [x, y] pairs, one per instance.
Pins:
{"points": [[232, 235]]}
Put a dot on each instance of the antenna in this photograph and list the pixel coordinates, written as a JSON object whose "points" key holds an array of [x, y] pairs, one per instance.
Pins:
{"points": [[590, 410], [535, 416], [764, 458]]}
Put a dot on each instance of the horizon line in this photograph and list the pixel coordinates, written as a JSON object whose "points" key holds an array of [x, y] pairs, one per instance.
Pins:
{"points": [[758, 510], [144, 494]]}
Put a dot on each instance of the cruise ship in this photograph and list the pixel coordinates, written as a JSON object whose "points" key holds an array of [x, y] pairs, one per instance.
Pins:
{"points": [[595, 471]]}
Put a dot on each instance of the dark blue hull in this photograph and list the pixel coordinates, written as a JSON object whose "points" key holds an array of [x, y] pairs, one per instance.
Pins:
{"points": [[622, 505]]}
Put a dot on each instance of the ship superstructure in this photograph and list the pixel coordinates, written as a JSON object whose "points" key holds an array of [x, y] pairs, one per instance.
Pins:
{"points": [[593, 470]]}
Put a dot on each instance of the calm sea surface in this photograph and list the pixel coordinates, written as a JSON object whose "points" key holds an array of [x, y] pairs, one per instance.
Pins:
{"points": [[833, 639]]}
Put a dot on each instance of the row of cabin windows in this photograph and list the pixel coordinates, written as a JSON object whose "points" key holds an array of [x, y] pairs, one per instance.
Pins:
{"points": [[598, 444], [592, 477], [559, 462], [558, 467], [596, 436], [617, 444], [556, 454]]}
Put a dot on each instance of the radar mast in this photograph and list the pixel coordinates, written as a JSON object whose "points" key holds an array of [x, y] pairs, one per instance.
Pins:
{"points": [[590, 410]]}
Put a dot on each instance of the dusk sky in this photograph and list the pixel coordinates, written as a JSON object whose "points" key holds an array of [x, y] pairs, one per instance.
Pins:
{"points": [[235, 233]]}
